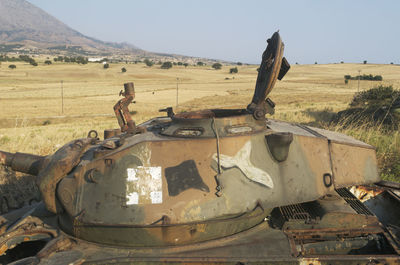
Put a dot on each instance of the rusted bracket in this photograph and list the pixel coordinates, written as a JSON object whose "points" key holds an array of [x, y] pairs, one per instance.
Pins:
{"points": [[122, 112], [29, 228], [273, 66]]}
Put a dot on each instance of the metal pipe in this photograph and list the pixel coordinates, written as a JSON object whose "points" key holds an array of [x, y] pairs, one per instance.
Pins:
{"points": [[21, 162]]}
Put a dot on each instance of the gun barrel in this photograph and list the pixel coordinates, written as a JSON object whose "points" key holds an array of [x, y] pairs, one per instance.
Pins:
{"points": [[25, 163]]}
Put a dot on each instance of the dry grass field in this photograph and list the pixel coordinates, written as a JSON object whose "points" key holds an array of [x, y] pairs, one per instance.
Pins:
{"points": [[31, 118]]}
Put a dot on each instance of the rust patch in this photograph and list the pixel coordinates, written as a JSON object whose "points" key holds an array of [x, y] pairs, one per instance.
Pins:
{"points": [[364, 193]]}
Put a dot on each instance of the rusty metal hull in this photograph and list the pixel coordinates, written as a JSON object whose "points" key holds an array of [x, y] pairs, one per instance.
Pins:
{"points": [[336, 229]]}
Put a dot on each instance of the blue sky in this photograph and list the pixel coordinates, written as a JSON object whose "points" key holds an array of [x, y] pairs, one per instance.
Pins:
{"points": [[322, 31]]}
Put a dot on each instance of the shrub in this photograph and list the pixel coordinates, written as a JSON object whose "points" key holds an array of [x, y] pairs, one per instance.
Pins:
{"points": [[217, 66], [365, 62], [185, 64], [180, 63], [233, 70], [12, 66], [28, 59], [239, 63], [315, 63], [377, 106], [106, 66], [47, 62], [200, 63], [81, 60], [364, 77], [380, 94], [148, 62], [166, 65], [123, 69]]}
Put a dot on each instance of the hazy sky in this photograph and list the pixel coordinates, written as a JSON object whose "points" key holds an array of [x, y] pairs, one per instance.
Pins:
{"points": [[313, 30]]}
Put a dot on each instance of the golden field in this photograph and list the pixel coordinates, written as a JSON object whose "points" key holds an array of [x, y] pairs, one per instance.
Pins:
{"points": [[31, 97]]}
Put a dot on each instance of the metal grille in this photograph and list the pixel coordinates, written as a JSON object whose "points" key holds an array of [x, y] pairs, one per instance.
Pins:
{"points": [[358, 206], [294, 212]]}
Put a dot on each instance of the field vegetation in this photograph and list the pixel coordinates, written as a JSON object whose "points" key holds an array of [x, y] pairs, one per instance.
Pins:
{"points": [[32, 118]]}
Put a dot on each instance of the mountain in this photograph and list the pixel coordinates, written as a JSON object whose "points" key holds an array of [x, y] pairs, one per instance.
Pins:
{"points": [[23, 23], [25, 28]]}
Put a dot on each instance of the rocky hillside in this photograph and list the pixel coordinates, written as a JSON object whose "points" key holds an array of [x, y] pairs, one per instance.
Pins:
{"points": [[23, 23], [25, 28]]}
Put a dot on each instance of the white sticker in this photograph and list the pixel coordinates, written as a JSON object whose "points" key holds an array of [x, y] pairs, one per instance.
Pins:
{"points": [[143, 185]]}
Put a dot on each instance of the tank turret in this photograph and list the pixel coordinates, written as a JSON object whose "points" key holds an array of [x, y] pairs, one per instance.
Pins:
{"points": [[177, 186]]}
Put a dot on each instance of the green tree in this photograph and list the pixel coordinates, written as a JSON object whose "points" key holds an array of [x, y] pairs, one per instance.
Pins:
{"points": [[47, 62], [217, 66], [185, 64], [12, 66], [106, 66], [166, 65], [200, 63], [365, 62], [148, 62], [239, 63], [81, 60], [233, 70], [123, 69]]}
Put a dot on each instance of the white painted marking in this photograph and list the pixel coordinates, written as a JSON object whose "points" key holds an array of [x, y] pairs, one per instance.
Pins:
{"points": [[156, 197], [242, 161], [132, 198], [143, 185], [131, 174]]}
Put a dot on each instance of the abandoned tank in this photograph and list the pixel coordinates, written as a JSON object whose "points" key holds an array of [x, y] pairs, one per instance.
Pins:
{"points": [[211, 186]]}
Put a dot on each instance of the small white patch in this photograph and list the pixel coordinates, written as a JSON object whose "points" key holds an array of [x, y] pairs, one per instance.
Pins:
{"points": [[131, 174], [145, 183], [132, 198], [156, 197], [155, 172]]}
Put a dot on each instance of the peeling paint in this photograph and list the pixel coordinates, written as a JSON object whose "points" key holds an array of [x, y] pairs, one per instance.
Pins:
{"points": [[143, 185]]}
